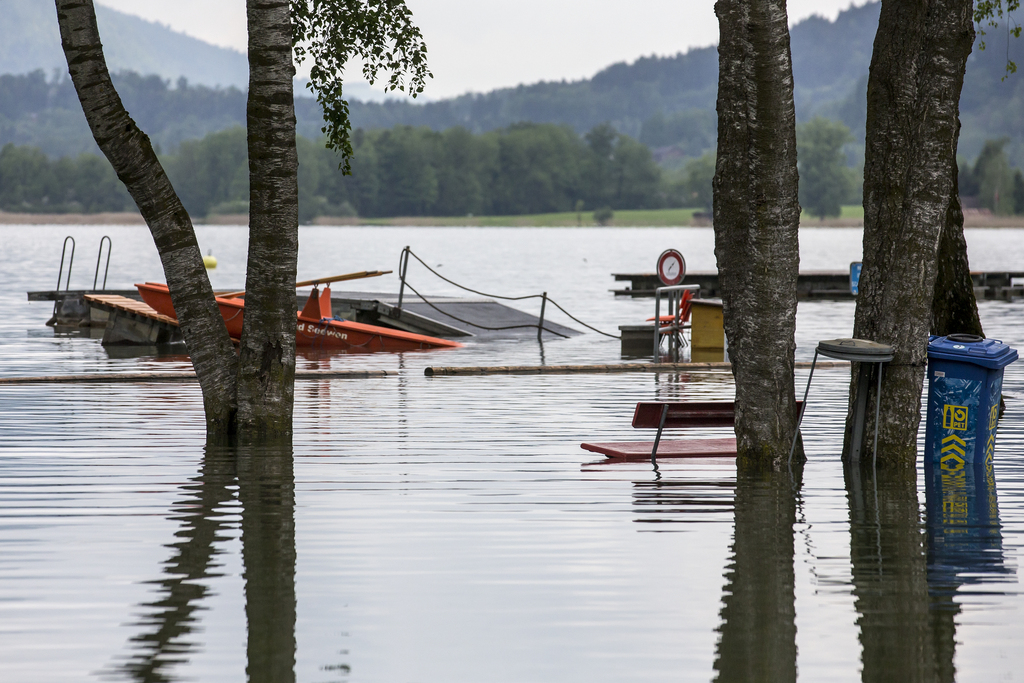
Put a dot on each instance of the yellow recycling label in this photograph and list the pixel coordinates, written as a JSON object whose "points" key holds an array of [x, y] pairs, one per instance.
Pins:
{"points": [[953, 450], [954, 417]]}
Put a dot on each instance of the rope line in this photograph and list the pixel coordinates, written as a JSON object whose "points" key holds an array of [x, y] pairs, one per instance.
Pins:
{"points": [[498, 296], [482, 327]]}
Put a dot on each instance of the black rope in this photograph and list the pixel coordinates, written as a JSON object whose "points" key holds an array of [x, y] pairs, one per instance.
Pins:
{"points": [[498, 296], [482, 327]]}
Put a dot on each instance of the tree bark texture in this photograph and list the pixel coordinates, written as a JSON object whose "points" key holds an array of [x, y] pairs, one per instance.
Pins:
{"points": [[954, 306], [756, 217], [903, 636], [758, 628], [267, 355], [130, 153], [917, 72]]}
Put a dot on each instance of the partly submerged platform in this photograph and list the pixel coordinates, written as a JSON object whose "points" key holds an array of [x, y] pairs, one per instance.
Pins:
{"points": [[823, 285], [667, 448], [442, 316], [447, 317], [132, 322]]}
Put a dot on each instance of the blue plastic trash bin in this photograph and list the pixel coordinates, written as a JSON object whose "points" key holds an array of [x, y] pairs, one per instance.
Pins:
{"points": [[965, 380]]}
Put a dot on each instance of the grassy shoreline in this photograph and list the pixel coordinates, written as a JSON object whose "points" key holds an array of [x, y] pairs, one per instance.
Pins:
{"points": [[851, 217]]}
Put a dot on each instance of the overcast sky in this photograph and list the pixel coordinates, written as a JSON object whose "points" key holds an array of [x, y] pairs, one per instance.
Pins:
{"points": [[478, 45]]}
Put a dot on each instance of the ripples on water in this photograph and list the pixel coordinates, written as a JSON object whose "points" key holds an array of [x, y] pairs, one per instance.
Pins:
{"points": [[451, 529]]}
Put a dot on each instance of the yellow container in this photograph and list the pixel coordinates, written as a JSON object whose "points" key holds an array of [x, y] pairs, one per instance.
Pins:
{"points": [[707, 331]]}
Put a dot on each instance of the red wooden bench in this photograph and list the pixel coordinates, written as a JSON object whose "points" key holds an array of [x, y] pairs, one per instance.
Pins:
{"points": [[662, 415]]}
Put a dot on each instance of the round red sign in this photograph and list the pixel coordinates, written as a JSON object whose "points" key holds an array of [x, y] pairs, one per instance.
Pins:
{"points": [[671, 267]]}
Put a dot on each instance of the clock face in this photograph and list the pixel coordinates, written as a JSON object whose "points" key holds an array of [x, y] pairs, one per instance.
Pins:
{"points": [[671, 267]]}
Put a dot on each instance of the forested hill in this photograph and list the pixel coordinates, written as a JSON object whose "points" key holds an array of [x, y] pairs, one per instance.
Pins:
{"points": [[667, 103], [628, 95], [30, 40]]}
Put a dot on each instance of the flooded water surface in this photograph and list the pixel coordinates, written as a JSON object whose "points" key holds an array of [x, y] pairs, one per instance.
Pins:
{"points": [[450, 529]]}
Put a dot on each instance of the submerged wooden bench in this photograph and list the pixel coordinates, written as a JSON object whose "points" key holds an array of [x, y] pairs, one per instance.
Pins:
{"points": [[662, 415]]}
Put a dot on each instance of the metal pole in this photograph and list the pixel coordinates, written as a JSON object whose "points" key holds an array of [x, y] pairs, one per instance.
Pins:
{"points": [[878, 409], [803, 407], [543, 304], [99, 255], [403, 264], [71, 262], [657, 439], [657, 323]]}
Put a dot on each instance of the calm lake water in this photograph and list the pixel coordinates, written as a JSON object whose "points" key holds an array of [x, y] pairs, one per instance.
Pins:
{"points": [[450, 529]]}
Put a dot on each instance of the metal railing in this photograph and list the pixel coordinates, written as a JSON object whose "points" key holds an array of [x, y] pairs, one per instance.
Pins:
{"points": [[674, 298]]}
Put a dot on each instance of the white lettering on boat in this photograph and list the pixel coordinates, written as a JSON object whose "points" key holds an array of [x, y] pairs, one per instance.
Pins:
{"points": [[325, 331]]}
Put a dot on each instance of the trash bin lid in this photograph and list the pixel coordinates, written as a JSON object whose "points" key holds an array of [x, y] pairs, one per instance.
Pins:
{"points": [[856, 350], [969, 348]]}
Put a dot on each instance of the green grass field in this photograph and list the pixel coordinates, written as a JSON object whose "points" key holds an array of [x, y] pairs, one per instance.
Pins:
{"points": [[656, 218]]}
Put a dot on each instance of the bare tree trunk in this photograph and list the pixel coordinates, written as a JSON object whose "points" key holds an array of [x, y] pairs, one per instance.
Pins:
{"points": [[756, 216], [758, 629], [917, 71], [267, 358], [130, 153]]}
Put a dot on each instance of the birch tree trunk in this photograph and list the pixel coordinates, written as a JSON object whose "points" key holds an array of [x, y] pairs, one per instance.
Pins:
{"points": [[130, 153], [917, 72], [756, 216], [267, 357]]}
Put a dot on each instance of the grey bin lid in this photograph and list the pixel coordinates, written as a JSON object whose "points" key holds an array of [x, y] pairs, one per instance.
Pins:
{"points": [[856, 350]]}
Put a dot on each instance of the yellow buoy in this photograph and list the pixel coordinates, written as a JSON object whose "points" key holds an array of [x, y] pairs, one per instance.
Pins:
{"points": [[210, 261]]}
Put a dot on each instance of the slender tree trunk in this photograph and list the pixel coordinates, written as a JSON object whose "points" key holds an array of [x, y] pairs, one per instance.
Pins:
{"points": [[130, 153], [917, 72], [758, 629], [267, 358], [756, 216]]}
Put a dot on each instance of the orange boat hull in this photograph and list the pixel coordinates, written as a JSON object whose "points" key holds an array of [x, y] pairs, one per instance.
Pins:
{"points": [[315, 328]]}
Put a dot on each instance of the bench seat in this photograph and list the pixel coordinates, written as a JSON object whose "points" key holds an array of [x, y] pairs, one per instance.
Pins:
{"points": [[667, 448], [662, 415]]}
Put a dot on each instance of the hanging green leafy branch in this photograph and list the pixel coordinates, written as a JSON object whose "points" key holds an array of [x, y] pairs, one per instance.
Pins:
{"points": [[380, 33], [988, 13]]}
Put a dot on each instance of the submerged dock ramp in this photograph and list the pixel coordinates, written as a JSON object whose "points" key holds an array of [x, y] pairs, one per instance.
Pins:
{"points": [[453, 317]]}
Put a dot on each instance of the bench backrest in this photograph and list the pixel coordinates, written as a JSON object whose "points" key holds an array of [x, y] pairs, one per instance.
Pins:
{"points": [[682, 415]]}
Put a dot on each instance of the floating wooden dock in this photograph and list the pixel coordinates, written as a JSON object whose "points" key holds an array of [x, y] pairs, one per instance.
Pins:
{"points": [[133, 322], [823, 285]]}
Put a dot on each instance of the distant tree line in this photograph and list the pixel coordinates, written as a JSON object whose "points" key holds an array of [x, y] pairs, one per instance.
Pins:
{"points": [[404, 171], [522, 169]]}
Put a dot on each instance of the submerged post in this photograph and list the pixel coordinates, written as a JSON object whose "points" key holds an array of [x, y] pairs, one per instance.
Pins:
{"points": [[403, 265], [543, 305]]}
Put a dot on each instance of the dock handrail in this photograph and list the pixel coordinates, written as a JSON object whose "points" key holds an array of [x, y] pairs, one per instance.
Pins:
{"points": [[674, 297], [106, 270], [60, 273]]}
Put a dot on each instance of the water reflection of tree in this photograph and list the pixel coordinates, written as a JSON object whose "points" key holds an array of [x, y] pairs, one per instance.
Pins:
{"points": [[906, 574], [204, 514], [266, 485], [758, 631], [266, 490], [901, 639]]}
